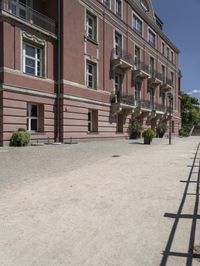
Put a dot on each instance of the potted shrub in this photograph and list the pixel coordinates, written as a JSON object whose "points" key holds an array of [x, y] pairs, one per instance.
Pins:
{"points": [[20, 138], [148, 135], [161, 129], [135, 130]]}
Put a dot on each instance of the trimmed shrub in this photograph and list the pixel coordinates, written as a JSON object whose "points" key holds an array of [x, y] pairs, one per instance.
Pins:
{"points": [[183, 132], [20, 138], [135, 129], [149, 134]]}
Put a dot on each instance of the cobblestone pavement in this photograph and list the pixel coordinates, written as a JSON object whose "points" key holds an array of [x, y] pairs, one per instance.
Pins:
{"points": [[103, 203]]}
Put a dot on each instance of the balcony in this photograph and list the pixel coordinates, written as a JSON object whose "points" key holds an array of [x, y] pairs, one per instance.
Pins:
{"points": [[122, 103], [167, 85], [141, 70], [122, 59], [28, 15], [159, 108], [155, 79]]}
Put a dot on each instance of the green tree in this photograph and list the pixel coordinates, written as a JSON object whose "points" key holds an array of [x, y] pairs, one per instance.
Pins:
{"points": [[190, 111]]}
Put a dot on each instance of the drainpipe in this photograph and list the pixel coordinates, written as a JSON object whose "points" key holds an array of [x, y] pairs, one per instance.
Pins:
{"points": [[58, 71]]}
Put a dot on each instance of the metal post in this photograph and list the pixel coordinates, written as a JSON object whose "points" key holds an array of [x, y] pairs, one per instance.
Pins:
{"points": [[170, 116]]}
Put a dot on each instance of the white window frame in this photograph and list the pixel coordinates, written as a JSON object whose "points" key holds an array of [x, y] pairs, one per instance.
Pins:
{"points": [[116, 5], [136, 64], [29, 117], [172, 56], [103, 1], [35, 58], [92, 27], [150, 30], [134, 18], [118, 46], [143, 5], [93, 74], [90, 122]]}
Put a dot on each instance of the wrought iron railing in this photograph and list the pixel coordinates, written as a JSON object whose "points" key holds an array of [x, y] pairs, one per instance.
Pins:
{"points": [[159, 107], [27, 14], [147, 104], [123, 98], [118, 53], [169, 82], [142, 66]]}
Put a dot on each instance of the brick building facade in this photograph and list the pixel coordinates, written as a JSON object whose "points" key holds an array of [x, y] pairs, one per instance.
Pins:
{"points": [[84, 69]]}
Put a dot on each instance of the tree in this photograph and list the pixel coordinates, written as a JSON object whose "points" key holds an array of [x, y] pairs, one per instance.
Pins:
{"points": [[190, 111]]}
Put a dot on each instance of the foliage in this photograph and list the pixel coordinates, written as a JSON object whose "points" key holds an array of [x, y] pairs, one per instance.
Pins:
{"points": [[161, 129], [20, 138], [135, 129], [190, 111], [183, 132], [149, 134]]}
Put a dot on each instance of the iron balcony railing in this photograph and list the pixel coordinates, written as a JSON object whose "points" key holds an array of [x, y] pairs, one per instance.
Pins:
{"points": [[169, 82], [123, 98], [159, 107], [146, 104], [142, 66], [27, 14], [118, 53], [155, 74]]}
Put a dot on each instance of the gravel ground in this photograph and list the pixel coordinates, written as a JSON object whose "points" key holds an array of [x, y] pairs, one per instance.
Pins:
{"points": [[98, 203]]}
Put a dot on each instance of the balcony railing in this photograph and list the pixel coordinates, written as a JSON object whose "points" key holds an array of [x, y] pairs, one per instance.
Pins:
{"points": [[27, 14], [142, 66], [123, 98], [159, 107], [146, 104], [169, 82], [118, 53]]}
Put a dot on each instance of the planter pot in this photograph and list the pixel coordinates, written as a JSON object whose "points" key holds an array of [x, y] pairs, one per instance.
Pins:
{"points": [[147, 141]]}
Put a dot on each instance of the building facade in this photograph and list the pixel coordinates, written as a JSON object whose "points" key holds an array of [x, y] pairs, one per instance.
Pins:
{"points": [[85, 69]]}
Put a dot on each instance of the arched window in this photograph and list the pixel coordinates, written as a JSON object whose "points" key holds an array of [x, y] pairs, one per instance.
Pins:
{"points": [[144, 5]]}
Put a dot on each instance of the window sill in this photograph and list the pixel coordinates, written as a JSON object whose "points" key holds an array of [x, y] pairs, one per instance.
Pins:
{"points": [[34, 76], [92, 41]]}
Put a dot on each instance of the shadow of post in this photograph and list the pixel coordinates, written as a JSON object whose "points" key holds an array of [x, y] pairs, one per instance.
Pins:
{"points": [[189, 255]]}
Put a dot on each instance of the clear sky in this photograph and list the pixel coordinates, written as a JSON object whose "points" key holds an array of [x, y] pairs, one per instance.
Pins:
{"points": [[182, 25]]}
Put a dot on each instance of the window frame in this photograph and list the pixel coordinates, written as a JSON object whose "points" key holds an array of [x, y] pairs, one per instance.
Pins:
{"points": [[116, 5], [105, 4], [93, 27], [93, 74], [163, 48], [152, 33], [35, 59], [137, 18], [29, 117]]}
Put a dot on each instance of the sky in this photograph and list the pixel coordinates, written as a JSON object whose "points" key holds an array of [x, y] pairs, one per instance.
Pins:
{"points": [[181, 20]]}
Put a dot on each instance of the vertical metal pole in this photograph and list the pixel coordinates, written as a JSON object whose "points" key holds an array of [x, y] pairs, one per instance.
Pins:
{"points": [[170, 119], [59, 71]]}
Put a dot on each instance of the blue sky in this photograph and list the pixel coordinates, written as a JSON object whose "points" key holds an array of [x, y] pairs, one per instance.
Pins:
{"points": [[182, 25]]}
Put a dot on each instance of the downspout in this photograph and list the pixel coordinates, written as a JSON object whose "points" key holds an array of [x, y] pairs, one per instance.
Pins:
{"points": [[58, 71]]}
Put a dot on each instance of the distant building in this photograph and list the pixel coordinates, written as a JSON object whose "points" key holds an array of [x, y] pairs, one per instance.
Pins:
{"points": [[85, 72]]}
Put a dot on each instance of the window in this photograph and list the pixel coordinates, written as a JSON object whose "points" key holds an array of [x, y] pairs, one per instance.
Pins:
{"points": [[144, 5], [163, 74], [152, 63], [91, 73], [32, 60], [137, 24], [18, 8], [106, 3], [163, 48], [32, 117], [172, 77], [118, 43], [91, 27], [172, 56], [152, 38], [167, 52], [92, 121], [118, 8], [137, 56]]}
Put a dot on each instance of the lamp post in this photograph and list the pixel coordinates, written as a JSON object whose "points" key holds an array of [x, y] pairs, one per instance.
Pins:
{"points": [[170, 96]]}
